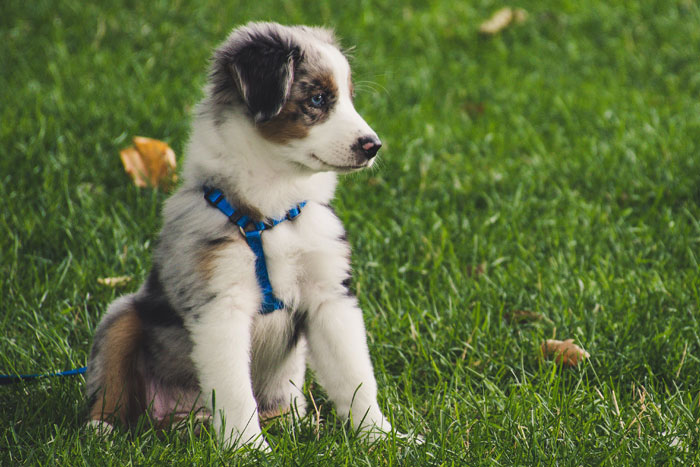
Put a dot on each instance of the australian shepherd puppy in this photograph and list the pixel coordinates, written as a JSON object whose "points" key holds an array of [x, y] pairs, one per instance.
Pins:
{"points": [[275, 127]]}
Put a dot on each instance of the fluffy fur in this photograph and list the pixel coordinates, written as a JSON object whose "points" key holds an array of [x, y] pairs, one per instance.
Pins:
{"points": [[275, 127]]}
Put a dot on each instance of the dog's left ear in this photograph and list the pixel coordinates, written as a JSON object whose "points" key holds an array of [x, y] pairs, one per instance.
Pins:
{"points": [[260, 65], [264, 76]]}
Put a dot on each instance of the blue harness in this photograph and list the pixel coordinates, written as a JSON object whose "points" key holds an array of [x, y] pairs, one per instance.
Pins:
{"points": [[252, 231]]}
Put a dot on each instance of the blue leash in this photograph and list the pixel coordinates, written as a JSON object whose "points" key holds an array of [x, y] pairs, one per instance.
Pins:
{"points": [[11, 379], [252, 231]]}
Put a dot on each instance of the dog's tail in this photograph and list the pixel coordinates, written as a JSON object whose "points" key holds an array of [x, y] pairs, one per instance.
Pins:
{"points": [[115, 381]]}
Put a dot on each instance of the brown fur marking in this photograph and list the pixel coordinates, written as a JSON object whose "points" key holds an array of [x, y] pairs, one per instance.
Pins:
{"points": [[122, 392], [209, 255], [326, 82], [269, 414], [286, 126], [297, 115]]}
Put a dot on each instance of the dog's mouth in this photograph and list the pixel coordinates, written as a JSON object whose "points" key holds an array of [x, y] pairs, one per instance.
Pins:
{"points": [[341, 168]]}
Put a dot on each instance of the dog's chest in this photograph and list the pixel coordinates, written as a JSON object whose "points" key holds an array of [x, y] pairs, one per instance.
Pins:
{"points": [[307, 258]]}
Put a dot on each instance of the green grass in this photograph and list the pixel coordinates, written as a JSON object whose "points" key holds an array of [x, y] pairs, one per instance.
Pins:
{"points": [[563, 155]]}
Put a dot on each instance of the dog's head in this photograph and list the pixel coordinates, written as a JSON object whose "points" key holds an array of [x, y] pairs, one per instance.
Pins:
{"points": [[295, 85]]}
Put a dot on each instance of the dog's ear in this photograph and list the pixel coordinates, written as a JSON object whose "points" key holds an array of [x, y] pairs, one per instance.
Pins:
{"points": [[264, 76], [260, 65]]}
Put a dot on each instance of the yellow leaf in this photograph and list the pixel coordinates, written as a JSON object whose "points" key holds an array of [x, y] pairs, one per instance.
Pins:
{"points": [[149, 162], [501, 19], [133, 165], [114, 281], [565, 352]]}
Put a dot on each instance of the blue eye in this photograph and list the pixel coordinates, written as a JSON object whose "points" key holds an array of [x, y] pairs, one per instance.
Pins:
{"points": [[317, 100]]}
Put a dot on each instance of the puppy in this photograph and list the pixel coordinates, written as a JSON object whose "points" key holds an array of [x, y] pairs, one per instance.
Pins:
{"points": [[275, 127]]}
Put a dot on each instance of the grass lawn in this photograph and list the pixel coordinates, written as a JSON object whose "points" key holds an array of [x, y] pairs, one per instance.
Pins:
{"points": [[553, 168]]}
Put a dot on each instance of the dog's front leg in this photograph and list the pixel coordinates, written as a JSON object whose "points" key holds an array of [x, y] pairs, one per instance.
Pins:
{"points": [[340, 358], [221, 336]]}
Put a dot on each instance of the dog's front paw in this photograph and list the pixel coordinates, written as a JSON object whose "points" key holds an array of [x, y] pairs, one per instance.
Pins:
{"points": [[250, 436], [374, 429], [236, 439], [381, 429], [411, 438], [260, 444], [374, 434]]}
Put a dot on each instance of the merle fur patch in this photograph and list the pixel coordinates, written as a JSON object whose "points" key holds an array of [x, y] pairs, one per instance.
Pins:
{"points": [[298, 114], [153, 307], [256, 66]]}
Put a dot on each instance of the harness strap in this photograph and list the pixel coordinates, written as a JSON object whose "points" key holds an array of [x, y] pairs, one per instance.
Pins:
{"points": [[270, 303], [252, 231]]}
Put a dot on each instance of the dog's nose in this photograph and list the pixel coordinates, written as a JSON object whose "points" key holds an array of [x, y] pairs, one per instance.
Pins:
{"points": [[369, 145]]}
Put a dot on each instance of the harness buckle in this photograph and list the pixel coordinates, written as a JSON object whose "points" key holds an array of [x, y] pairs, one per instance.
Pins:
{"points": [[213, 196]]}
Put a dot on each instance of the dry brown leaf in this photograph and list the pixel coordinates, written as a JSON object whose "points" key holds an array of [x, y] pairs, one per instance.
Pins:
{"points": [[114, 281], [473, 109], [522, 316], [565, 352], [149, 162], [133, 165], [476, 270], [501, 19], [519, 16]]}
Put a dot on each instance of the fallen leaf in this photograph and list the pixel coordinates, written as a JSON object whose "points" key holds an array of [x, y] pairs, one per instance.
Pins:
{"points": [[118, 281], [133, 165], [501, 19], [149, 162], [565, 352], [158, 157], [473, 109], [476, 270], [522, 316], [519, 16]]}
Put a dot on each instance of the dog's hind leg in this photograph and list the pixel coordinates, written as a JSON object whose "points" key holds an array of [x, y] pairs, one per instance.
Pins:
{"points": [[280, 389], [114, 382]]}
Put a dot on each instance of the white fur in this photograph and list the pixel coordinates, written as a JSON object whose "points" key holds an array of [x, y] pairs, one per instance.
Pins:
{"points": [[330, 140], [238, 352]]}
